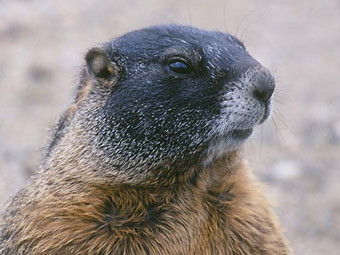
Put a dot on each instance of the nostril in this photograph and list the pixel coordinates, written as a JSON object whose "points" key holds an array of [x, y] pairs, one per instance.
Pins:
{"points": [[263, 84], [263, 90], [263, 94]]}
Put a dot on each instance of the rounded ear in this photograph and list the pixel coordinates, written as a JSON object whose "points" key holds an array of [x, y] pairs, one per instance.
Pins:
{"points": [[100, 67]]}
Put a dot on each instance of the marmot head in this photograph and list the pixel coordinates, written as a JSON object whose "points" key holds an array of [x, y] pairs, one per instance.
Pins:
{"points": [[170, 94]]}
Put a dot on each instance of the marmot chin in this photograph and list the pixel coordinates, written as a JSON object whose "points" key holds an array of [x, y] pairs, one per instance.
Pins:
{"points": [[146, 158]]}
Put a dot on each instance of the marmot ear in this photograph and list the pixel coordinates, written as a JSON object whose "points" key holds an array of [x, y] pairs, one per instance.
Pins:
{"points": [[100, 67]]}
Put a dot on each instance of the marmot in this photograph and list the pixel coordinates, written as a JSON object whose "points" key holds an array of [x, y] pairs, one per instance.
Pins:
{"points": [[146, 160]]}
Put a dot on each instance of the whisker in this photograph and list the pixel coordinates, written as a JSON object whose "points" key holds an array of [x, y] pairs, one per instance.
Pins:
{"points": [[281, 102], [261, 142], [281, 119], [224, 17], [241, 23], [281, 95], [278, 136], [189, 13]]}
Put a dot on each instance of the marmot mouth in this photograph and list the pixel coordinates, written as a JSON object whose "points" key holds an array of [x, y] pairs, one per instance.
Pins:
{"points": [[241, 133], [267, 111]]}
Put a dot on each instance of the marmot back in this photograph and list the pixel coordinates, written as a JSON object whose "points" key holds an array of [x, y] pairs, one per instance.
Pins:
{"points": [[146, 159]]}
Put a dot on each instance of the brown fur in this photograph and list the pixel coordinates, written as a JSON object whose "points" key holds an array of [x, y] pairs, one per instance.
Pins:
{"points": [[221, 212]]}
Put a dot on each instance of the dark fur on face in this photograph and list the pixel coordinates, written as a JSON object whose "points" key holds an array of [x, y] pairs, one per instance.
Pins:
{"points": [[152, 113]]}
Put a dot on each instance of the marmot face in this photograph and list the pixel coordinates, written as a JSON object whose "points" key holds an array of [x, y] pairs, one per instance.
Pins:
{"points": [[172, 94]]}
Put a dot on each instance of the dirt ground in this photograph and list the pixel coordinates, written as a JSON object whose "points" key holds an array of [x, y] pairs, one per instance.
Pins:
{"points": [[296, 153]]}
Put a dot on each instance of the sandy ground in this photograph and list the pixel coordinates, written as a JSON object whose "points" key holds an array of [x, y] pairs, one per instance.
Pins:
{"points": [[297, 153]]}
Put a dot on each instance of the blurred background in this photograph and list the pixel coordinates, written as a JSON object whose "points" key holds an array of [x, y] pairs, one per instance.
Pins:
{"points": [[296, 153]]}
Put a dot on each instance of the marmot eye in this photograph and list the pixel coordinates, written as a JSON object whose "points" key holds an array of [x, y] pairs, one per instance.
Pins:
{"points": [[179, 66]]}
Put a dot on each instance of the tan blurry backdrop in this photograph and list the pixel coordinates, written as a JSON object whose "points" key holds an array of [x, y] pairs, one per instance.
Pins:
{"points": [[297, 153]]}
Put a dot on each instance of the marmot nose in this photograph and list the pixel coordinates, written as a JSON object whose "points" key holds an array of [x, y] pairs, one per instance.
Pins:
{"points": [[264, 87]]}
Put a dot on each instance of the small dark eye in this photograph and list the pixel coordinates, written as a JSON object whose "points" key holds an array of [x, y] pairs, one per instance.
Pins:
{"points": [[179, 66]]}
